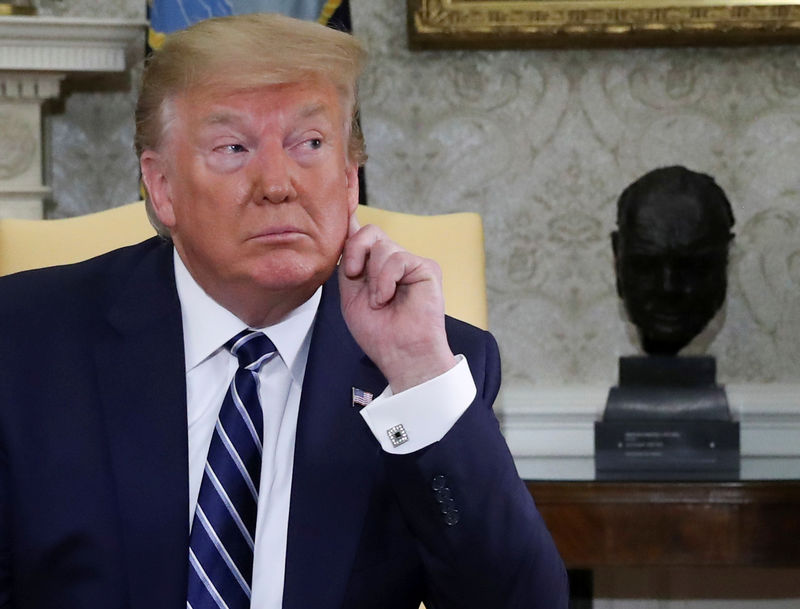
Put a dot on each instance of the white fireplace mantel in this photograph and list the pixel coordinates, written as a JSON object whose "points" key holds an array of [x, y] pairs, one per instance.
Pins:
{"points": [[36, 54]]}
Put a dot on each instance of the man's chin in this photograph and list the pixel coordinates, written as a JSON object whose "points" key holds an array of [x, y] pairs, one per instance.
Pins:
{"points": [[667, 324], [291, 276], [665, 339]]}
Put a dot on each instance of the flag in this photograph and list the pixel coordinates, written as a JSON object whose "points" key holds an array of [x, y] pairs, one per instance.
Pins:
{"points": [[170, 15], [361, 397]]}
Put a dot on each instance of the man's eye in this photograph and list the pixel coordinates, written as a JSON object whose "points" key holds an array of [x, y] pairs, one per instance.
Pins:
{"points": [[231, 148], [315, 143], [642, 263]]}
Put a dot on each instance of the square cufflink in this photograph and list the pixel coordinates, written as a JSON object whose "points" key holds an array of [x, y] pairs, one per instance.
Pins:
{"points": [[397, 435]]}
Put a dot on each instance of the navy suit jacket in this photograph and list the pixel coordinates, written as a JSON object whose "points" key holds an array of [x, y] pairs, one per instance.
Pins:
{"points": [[94, 471]]}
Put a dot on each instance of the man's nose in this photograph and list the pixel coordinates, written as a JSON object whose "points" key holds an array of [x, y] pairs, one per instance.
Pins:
{"points": [[274, 177], [672, 281]]}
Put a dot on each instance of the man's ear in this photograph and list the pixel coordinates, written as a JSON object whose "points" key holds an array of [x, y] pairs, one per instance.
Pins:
{"points": [[154, 176], [352, 185], [617, 266]]}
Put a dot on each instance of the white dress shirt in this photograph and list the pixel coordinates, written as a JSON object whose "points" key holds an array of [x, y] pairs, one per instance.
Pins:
{"points": [[426, 412]]}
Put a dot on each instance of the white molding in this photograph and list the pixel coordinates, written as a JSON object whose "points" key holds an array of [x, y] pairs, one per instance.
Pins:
{"points": [[29, 85], [551, 421], [62, 44], [23, 203], [550, 430]]}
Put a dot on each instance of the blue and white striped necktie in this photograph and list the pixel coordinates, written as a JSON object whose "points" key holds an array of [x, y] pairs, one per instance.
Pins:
{"points": [[223, 531]]}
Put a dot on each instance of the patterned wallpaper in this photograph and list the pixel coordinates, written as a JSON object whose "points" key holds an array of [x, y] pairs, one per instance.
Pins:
{"points": [[541, 143]]}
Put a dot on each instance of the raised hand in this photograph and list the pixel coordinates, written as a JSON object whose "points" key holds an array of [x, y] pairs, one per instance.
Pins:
{"points": [[393, 304]]}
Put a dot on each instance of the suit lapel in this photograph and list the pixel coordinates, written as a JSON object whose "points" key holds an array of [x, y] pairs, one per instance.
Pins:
{"points": [[335, 462], [141, 379]]}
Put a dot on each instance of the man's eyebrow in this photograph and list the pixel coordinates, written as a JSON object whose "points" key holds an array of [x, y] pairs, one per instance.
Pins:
{"points": [[312, 109], [222, 118]]}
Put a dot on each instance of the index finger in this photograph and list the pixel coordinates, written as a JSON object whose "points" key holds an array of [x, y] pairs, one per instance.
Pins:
{"points": [[354, 225], [355, 253]]}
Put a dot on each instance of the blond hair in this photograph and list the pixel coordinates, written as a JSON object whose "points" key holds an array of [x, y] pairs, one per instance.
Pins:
{"points": [[246, 52]]}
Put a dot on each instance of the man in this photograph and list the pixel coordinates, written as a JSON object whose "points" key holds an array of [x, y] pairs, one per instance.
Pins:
{"points": [[249, 155], [671, 255]]}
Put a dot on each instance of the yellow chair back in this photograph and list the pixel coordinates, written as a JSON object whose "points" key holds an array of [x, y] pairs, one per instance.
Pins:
{"points": [[455, 241]]}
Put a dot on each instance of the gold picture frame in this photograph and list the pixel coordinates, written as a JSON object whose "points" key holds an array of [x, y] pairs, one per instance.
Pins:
{"points": [[471, 24], [20, 7]]}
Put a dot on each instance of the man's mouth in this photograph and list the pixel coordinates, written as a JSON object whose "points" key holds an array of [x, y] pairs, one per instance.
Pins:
{"points": [[278, 234]]}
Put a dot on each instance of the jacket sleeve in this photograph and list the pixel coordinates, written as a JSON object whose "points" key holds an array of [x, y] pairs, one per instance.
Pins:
{"points": [[479, 534]]}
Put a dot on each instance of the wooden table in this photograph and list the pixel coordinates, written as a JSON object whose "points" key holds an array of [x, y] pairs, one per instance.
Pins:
{"points": [[665, 524], [751, 523]]}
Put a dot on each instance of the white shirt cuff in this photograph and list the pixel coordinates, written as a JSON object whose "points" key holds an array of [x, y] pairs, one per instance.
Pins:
{"points": [[419, 416]]}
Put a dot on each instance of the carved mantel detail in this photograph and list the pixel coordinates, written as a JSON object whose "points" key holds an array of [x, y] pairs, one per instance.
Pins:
{"points": [[36, 54]]}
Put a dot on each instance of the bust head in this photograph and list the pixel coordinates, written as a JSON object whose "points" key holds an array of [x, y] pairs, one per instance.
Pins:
{"points": [[671, 255]]}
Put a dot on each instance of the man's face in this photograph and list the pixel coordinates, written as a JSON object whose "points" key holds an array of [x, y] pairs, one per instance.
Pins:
{"points": [[671, 266], [256, 190]]}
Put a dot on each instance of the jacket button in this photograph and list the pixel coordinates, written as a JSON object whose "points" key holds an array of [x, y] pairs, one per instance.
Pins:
{"points": [[439, 482], [452, 517], [447, 505], [443, 494]]}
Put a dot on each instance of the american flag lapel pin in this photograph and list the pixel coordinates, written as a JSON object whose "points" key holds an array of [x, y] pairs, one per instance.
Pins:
{"points": [[360, 397]]}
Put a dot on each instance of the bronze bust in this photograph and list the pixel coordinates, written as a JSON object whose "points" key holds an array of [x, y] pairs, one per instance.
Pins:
{"points": [[671, 255]]}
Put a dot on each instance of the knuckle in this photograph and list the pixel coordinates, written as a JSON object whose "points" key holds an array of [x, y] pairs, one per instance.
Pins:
{"points": [[430, 265]]}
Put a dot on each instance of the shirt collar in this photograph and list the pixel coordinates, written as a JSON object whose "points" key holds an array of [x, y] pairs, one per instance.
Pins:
{"points": [[207, 325]]}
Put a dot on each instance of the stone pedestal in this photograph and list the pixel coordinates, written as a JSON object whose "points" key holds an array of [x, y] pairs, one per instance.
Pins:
{"points": [[667, 419], [36, 54]]}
